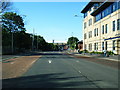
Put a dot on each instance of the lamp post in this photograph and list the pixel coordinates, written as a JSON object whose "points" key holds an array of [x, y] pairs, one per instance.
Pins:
{"points": [[80, 17]]}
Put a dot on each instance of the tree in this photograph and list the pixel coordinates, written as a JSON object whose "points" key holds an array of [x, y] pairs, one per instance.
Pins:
{"points": [[12, 22], [5, 5], [22, 41], [12, 26], [72, 42]]}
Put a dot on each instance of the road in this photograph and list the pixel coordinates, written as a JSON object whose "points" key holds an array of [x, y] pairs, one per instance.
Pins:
{"points": [[58, 70]]}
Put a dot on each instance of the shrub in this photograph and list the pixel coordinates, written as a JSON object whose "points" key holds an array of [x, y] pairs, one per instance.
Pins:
{"points": [[85, 51], [80, 52], [110, 53]]}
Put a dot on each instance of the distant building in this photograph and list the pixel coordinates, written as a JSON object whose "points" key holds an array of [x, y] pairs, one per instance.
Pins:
{"points": [[101, 29], [62, 46], [53, 41]]}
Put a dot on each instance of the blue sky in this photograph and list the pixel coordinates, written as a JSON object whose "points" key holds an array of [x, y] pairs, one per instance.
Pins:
{"points": [[52, 20]]}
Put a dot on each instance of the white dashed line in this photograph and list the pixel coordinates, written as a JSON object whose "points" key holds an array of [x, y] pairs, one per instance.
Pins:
{"points": [[77, 61], [49, 61], [79, 71]]}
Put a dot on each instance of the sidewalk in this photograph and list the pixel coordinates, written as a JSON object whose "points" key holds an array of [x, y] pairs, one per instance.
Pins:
{"points": [[15, 67], [112, 58]]}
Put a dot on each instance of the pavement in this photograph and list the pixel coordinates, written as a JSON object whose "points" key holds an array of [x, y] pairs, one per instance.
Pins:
{"points": [[58, 70], [111, 57], [15, 67]]}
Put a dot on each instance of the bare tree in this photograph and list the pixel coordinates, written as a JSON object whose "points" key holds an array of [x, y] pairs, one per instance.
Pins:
{"points": [[5, 5]]}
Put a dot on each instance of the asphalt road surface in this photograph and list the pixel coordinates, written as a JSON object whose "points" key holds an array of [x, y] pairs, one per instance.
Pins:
{"points": [[58, 70]]}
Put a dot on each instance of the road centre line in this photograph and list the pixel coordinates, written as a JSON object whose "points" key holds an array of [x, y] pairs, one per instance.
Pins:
{"points": [[49, 61], [79, 71]]}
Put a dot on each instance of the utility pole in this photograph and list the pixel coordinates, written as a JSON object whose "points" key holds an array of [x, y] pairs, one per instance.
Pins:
{"points": [[72, 39], [33, 40], [37, 42]]}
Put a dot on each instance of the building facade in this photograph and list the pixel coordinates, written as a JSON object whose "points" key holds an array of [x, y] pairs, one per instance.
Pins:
{"points": [[102, 26]]}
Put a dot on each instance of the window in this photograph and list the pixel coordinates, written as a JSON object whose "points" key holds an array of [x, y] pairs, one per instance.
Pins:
{"points": [[113, 25], [114, 6], [102, 29], [113, 44], [106, 28], [85, 47], [102, 45], [106, 45], [90, 22], [90, 34], [94, 46], [118, 24], [95, 32], [98, 17], [110, 9], [103, 13], [119, 5], [84, 25], [85, 37], [90, 46]]}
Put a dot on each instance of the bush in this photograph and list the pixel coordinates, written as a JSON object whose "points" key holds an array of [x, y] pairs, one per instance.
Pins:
{"points": [[80, 52], [110, 53], [85, 51], [93, 52]]}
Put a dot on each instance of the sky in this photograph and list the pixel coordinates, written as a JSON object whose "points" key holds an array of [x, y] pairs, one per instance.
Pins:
{"points": [[52, 20]]}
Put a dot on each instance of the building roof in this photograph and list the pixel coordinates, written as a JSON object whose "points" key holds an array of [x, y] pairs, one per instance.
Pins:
{"points": [[87, 7], [101, 8], [90, 5], [105, 3]]}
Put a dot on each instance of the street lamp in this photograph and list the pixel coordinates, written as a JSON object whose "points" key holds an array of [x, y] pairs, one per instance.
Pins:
{"points": [[79, 17]]}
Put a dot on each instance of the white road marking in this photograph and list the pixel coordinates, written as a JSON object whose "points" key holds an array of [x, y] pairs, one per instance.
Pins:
{"points": [[12, 62], [50, 61], [32, 62], [77, 61], [79, 71]]}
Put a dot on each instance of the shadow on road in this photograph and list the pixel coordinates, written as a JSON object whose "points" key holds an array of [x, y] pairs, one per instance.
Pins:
{"points": [[52, 80], [47, 53]]}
